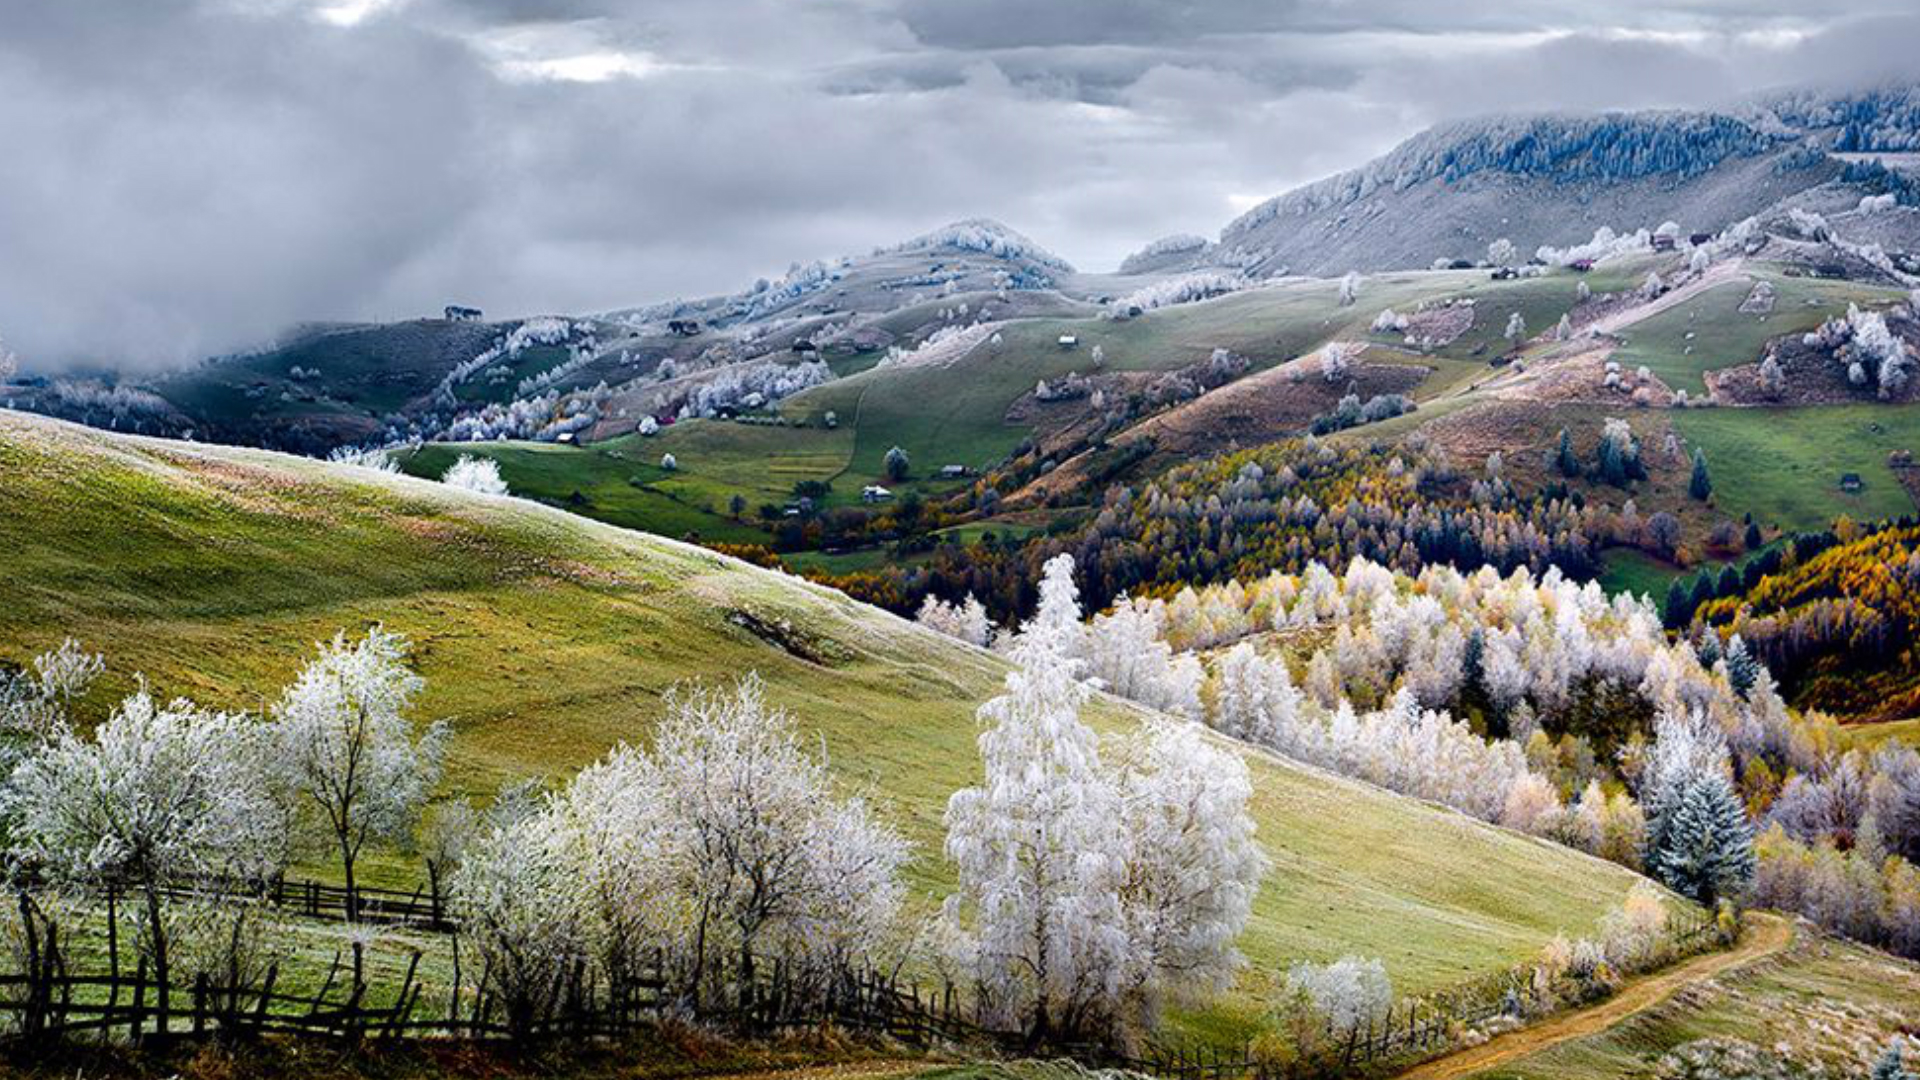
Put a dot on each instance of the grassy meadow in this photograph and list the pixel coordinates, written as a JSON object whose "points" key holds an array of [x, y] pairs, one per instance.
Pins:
{"points": [[1709, 331], [546, 638]]}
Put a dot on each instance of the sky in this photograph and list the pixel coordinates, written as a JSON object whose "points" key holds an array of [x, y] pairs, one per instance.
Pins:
{"points": [[185, 177]]}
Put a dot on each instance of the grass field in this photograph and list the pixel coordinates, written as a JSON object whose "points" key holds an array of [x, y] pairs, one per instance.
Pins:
{"points": [[1784, 465], [1868, 736], [1824, 1005], [1709, 331], [957, 413], [545, 638]]}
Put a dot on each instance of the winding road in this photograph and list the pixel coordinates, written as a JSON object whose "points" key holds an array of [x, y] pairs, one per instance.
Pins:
{"points": [[1766, 936]]}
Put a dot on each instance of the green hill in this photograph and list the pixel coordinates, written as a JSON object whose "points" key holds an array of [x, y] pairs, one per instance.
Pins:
{"points": [[546, 637]]}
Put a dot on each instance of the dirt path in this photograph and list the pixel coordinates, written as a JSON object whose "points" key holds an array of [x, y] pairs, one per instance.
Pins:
{"points": [[879, 1069], [1718, 274], [1766, 935]]}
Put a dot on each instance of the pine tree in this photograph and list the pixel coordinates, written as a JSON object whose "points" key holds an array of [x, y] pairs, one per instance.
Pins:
{"points": [[1707, 649], [1564, 459], [1742, 669], [1754, 538], [1679, 607], [1892, 1065], [1701, 485], [1705, 847]]}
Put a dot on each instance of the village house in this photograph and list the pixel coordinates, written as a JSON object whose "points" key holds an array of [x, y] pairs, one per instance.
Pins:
{"points": [[874, 493]]}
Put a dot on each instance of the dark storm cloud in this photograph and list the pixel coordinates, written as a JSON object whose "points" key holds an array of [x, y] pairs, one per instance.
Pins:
{"points": [[188, 176]]}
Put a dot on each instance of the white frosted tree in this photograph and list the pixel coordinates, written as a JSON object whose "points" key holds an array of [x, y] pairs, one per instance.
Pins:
{"points": [[477, 474], [1254, 698], [159, 796], [516, 898], [1093, 890], [1516, 331], [770, 857], [1193, 866], [1348, 993], [347, 752], [1124, 651], [1350, 288], [1773, 381], [1038, 845], [966, 620], [1502, 252], [36, 705]]}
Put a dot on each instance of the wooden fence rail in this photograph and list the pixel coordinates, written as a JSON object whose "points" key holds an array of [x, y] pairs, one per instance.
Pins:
{"points": [[47, 1000]]}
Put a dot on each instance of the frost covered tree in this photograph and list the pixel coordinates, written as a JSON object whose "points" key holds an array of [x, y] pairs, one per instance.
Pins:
{"points": [[772, 861], [1350, 288], [1773, 381], [669, 463], [897, 464], [347, 753], [1502, 252], [1707, 848], [1037, 845], [447, 832], [158, 796], [723, 845], [1563, 330], [477, 474], [514, 896], [1192, 866], [966, 620], [1743, 669], [1092, 890], [1124, 653], [1699, 841], [1254, 696], [1891, 1065], [1516, 331], [36, 705], [1349, 993]]}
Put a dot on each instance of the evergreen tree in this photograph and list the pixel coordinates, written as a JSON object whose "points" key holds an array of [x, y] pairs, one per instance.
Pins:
{"points": [[1705, 847], [1564, 459], [1708, 647], [1701, 485], [1891, 1066], [1754, 538], [1679, 605], [1742, 669]]}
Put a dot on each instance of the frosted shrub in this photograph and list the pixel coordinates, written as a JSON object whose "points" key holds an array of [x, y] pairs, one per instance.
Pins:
{"points": [[1348, 993]]}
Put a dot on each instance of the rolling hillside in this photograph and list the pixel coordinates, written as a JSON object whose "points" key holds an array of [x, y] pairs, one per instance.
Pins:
{"points": [[546, 637]]}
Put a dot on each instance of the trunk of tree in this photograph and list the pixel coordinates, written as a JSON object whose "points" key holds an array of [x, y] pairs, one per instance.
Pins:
{"points": [[157, 928], [346, 865]]}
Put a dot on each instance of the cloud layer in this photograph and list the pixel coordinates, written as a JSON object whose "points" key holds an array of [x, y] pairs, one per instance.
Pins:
{"points": [[190, 176]]}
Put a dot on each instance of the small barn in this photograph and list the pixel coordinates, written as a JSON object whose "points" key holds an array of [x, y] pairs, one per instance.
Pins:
{"points": [[1068, 341], [1851, 482], [874, 493], [805, 347], [1664, 242]]}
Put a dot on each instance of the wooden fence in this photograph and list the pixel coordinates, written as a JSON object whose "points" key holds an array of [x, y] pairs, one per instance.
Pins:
{"points": [[49, 1000]]}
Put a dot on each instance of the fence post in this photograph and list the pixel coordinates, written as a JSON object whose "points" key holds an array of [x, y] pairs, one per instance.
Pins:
{"points": [[200, 1003]]}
